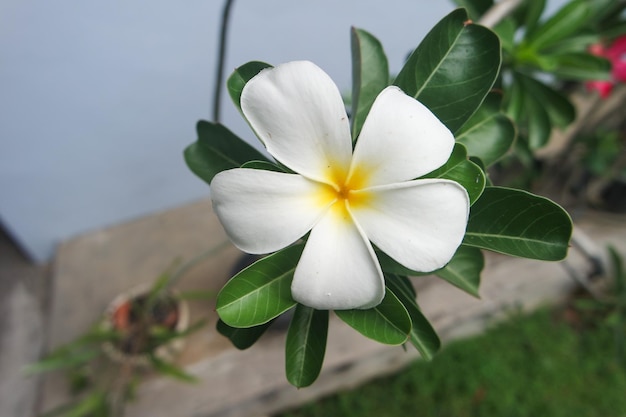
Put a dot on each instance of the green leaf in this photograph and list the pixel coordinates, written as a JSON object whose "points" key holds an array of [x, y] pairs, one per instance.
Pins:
{"points": [[475, 8], [618, 271], [390, 266], [370, 75], [422, 335], [506, 31], [463, 270], [518, 223], [559, 109], [576, 43], [93, 404], [70, 359], [580, 66], [565, 22], [240, 77], [460, 169], [489, 133], [453, 68], [242, 338], [171, 370], [514, 100], [262, 165], [306, 345], [261, 291], [216, 150], [387, 323], [532, 11], [538, 123]]}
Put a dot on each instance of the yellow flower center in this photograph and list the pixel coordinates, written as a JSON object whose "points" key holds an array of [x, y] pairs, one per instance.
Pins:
{"points": [[345, 191]]}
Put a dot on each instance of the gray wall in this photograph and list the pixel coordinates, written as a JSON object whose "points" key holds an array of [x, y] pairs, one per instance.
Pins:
{"points": [[99, 98]]}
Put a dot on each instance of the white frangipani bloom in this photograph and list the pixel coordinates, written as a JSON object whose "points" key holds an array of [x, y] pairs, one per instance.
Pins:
{"points": [[347, 199]]}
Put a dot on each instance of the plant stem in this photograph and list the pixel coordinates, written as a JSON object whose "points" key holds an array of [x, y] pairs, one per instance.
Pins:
{"points": [[221, 60]]}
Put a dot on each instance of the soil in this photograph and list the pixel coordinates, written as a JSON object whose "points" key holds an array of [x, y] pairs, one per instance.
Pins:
{"points": [[136, 322]]}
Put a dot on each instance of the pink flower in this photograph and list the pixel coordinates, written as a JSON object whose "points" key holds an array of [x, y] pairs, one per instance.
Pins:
{"points": [[616, 54]]}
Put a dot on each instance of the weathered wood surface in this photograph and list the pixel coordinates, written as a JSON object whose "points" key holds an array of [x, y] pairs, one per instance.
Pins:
{"points": [[91, 269]]}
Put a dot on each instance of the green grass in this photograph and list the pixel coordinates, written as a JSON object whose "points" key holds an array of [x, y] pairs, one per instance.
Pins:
{"points": [[538, 365]]}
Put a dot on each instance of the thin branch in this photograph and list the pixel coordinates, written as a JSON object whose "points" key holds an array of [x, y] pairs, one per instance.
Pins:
{"points": [[498, 11], [221, 60]]}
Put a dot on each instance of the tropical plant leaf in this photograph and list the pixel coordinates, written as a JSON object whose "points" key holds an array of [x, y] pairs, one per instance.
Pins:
{"points": [[306, 345], [242, 338], [216, 150], [93, 404], [538, 126], [580, 66], [70, 359], [453, 68], [370, 75], [460, 169], [489, 133], [475, 8], [531, 11], [463, 270], [422, 335], [559, 109], [387, 323], [171, 370], [261, 291], [565, 22], [518, 223], [262, 165], [238, 79]]}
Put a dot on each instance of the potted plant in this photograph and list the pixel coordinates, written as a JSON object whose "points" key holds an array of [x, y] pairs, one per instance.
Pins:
{"points": [[141, 331]]}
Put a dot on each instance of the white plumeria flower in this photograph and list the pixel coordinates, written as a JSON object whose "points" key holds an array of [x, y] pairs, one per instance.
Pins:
{"points": [[347, 199]]}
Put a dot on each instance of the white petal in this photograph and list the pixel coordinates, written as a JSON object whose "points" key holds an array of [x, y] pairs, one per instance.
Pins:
{"points": [[338, 269], [297, 111], [418, 223], [401, 140], [263, 211]]}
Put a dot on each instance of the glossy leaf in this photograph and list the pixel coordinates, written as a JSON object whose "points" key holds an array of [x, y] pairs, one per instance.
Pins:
{"points": [[573, 44], [390, 266], [242, 338], [489, 133], [559, 109], [532, 10], [306, 345], [387, 323], [518, 223], [216, 150], [506, 30], [261, 291], [538, 122], [422, 335], [453, 68], [580, 66], [463, 271], [460, 169], [515, 100], [370, 75], [262, 165], [475, 8], [565, 22], [240, 77]]}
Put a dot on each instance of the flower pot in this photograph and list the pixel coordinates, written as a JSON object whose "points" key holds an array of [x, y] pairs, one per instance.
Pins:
{"points": [[123, 313]]}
